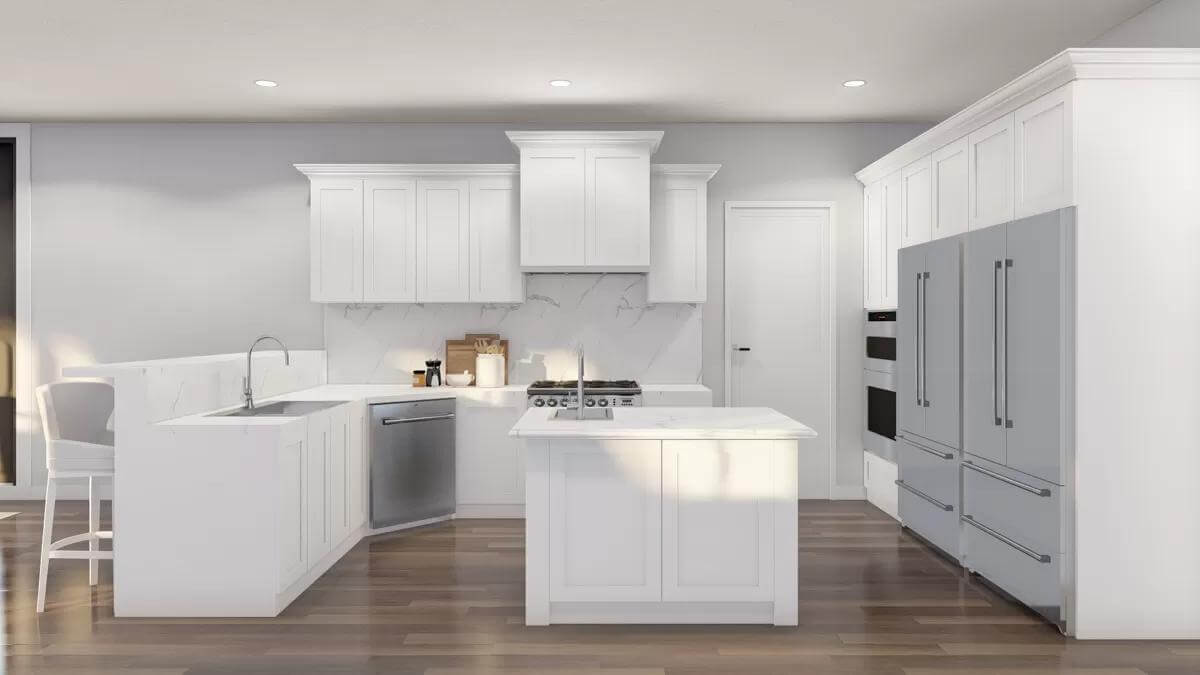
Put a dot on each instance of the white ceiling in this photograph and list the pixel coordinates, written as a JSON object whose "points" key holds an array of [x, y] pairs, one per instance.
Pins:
{"points": [[490, 60]]}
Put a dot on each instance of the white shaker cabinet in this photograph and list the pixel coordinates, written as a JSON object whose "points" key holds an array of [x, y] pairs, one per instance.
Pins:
{"points": [[1044, 153], [320, 538], [950, 189], [291, 516], [893, 220], [495, 257], [990, 174], [585, 199], [443, 234], [336, 236], [916, 196], [389, 240], [679, 232], [873, 245]]}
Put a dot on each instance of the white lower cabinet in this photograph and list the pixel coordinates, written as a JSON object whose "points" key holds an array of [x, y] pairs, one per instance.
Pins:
{"points": [[490, 475], [605, 520], [718, 521], [339, 474], [291, 516], [879, 477], [357, 478], [319, 536]]}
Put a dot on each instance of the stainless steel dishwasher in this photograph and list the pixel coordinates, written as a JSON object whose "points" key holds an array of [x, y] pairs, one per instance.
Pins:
{"points": [[412, 461]]}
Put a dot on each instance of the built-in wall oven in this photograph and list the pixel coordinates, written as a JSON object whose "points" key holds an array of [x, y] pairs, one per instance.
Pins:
{"points": [[879, 382]]}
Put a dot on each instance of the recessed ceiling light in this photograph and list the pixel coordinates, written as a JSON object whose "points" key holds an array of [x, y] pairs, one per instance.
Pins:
{"points": [[560, 83], [854, 83], [266, 83]]}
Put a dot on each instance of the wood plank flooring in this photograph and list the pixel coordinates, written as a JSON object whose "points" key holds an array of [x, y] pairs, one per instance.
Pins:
{"points": [[447, 600]]}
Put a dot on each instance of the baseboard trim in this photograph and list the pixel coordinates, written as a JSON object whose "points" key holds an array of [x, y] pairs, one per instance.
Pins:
{"points": [[491, 511], [408, 526], [841, 492]]}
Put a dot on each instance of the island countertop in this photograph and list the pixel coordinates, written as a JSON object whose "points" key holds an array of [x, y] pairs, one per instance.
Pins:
{"points": [[666, 423]]}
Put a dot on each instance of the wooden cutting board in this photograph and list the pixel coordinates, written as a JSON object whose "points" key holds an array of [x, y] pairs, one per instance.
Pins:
{"points": [[460, 354]]}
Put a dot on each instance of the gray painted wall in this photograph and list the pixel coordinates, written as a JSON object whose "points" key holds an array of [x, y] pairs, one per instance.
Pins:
{"points": [[161, 240], [1168, 23]]}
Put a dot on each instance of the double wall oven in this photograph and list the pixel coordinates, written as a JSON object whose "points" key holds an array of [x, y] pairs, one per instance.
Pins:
{"points": [[879, 381]]}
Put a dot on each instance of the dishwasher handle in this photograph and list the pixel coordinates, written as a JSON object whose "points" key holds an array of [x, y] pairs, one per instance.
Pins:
{"points": [[388, 421]]}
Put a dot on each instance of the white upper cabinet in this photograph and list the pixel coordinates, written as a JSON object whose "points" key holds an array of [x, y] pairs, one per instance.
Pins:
{"points": [[916, 196], [679, 232], [893, 217], [873, 245], [389, 240], [414, 233], [495, 241], [443, 234], [950, 180], [585, 199], [990, 174], [336, 236], [1044, 139]]}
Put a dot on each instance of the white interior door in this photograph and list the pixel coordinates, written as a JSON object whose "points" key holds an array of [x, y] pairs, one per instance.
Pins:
{"points": [[778, 322]]}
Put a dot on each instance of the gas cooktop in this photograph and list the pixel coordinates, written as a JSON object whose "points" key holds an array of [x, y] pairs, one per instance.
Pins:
{"points": [[596, 393], [588, 385]]}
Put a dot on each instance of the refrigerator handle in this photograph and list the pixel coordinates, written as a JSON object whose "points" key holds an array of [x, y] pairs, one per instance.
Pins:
{"points": [[917, 343], [924, 339], [995, 339], [1008, 423]]}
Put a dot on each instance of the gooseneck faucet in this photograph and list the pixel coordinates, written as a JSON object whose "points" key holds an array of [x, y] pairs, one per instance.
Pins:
{"points": [[247, 388], [579, 385]]}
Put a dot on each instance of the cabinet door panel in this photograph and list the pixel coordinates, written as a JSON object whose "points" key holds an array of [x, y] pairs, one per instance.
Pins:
{"points": [[552, 207], [389, 240], [339, 475], [1036, 316], [319, 535], [718, 521], [950, 190], [292, 518], [893, 216], [917, 191], [1044, 153], [335, 240], [873, 245], [910, 412], [678, 240], [617, 199], [489, 470], [983, 425], [495, 241], [358, 465], [443, 236], [606, 521], [990, 171], [941, 333]]}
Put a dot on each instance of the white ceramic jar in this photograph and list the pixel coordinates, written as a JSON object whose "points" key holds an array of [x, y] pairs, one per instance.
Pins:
{"points": [[489, 370]]}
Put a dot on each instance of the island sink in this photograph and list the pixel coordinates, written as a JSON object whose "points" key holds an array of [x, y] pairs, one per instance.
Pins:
{"points": [[280, 409], [572, 414]]}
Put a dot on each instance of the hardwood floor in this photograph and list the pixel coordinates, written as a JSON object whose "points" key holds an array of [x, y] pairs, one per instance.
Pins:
{"points": [[447, 600]]}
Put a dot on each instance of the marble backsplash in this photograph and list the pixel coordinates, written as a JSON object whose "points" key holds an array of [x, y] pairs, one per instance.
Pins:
{"points": [[623, 336], [178, 387]]}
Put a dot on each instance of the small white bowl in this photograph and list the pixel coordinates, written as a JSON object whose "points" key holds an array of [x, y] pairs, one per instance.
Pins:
{"points": [[459, 379]]}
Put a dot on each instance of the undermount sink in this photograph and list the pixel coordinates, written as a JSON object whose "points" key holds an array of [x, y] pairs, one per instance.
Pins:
{"points": [[568, 414], [280, 409]]}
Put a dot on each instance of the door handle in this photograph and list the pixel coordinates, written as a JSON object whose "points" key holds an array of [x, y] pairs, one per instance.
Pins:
{"points": [[995, 347], [1008, 423], [740, 349], [388, 421]]}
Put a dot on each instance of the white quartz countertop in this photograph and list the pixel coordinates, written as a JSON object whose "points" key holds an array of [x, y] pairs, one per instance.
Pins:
{"points": [[666, 423], [382, 393]]}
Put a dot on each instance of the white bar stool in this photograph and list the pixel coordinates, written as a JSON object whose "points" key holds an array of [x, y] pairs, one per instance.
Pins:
{"points": [[76, 420]]}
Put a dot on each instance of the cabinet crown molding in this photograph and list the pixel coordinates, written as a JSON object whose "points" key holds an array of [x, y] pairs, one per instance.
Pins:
{"points": [[365, 170], [1058, 70], [527, 138], [705, 171]]}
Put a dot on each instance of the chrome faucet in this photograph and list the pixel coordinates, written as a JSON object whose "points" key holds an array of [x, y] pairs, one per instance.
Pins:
{"points": [[247, 389], [579, 385]]}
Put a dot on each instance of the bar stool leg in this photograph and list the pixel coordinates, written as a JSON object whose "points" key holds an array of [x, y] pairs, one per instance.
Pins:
{"points": [[93, 528], [47, 532]]}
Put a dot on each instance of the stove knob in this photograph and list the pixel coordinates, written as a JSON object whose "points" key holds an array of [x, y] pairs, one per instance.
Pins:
{"points": [[551, 403], [603, 402], [591, 403], [539, 402]]}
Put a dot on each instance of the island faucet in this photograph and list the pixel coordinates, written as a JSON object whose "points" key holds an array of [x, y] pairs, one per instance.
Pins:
{"points": [[579, 385], [247, 388]]}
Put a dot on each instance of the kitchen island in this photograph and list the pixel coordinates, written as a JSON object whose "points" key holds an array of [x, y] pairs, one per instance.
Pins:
{"points": [[661, 515]]}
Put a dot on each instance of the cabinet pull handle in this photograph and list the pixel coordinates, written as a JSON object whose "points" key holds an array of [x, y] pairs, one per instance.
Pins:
{"points": [[1040, 557], [941, 505], [388, 421], [1008, 423], [995, 349], [924, 339], [917, 343], [1041, 492]]}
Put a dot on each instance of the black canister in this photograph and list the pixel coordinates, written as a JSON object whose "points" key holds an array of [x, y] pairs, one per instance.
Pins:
{"points": [[433, 371]]}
